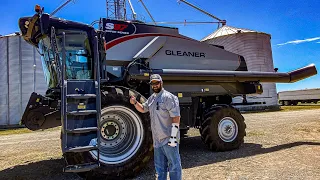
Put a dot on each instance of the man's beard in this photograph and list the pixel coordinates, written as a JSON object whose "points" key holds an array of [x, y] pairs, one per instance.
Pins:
{"points": [[157, 89]]}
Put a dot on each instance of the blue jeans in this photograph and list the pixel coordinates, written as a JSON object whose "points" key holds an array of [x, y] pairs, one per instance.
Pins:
{"points": [[167, 158]]}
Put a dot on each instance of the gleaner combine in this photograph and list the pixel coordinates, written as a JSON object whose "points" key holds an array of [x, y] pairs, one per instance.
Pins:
{"points": [[91, 75]]}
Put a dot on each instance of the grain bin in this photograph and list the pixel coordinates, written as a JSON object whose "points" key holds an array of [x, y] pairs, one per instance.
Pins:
{"points": [[20, 74], [255, 47]]}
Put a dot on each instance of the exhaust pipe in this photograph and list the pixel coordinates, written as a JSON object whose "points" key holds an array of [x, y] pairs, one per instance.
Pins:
{"points": [[217, 76]]}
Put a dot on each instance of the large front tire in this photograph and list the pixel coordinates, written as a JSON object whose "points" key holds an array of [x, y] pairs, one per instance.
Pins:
{"points": [[223, 128], [128, 149]]}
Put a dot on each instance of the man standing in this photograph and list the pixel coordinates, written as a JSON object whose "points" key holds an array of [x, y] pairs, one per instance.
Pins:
{"points": [[165, 120]]}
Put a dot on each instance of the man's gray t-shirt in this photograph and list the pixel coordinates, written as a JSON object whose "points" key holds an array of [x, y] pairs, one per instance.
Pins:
{"points": [[162, 108]]}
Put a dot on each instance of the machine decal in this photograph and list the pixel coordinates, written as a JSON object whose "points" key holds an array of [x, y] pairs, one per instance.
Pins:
{"points": [[184, 53], [120, 28]]}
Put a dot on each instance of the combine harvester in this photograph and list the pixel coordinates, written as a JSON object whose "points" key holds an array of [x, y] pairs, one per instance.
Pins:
{"points": [[91, 75]]}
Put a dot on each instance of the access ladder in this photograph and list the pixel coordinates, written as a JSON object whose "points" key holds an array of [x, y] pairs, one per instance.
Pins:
{"points": [[80, 113]]}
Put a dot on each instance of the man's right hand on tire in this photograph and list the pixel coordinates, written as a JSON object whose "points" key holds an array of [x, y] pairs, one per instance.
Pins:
{"points": [[133, 100]]}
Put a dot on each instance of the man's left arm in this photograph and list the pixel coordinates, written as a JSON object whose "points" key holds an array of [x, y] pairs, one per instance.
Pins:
{"points": [[173, 108]]}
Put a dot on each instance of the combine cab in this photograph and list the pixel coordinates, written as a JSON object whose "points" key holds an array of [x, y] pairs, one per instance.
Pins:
{"points": [[91, 75]]}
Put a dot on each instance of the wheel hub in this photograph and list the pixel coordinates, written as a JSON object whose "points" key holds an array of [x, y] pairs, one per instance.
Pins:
{"points": [[110, 130], [228, 129], [121, 135]]}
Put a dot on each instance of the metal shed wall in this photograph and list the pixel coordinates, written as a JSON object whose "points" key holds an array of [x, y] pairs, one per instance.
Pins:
{"points": [[20, 74]]}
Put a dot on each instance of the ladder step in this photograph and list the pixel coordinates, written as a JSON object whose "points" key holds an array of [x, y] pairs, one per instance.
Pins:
{"points": [[82, 130], [81, 167], [81, 96], [82, 112], [82, 149]]}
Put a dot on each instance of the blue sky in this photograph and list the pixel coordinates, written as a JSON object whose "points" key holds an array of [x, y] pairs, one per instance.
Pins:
{"points": [[293, 24]]}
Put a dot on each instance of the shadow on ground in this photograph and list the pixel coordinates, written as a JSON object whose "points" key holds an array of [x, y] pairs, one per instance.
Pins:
{"points": [[46, 169], [193, 154]]}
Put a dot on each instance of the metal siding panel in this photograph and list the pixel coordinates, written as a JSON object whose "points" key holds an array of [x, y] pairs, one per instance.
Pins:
{"points": [[25, 99], [27, 65], [27, 78], [14, 68], [14, 114], [3, 114], [4, 99], [14, 72], [27, 87], [14, 80], [14, 93], [13, 51], [3, 67]]}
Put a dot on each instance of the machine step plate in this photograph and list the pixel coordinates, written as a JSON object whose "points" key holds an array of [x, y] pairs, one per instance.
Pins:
{"points": [[82, 112], [82, 130], [81, 96]]}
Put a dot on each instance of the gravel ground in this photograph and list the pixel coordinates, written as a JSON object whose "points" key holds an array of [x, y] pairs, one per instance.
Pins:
{"points": [[278, 145]]}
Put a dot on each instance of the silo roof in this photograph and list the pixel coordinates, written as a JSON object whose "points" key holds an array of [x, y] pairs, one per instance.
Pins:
{"points": [[227, 30]]}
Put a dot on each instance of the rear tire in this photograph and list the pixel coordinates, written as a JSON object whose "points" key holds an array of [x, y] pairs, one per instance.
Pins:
{"points": [[223, 128], [112, 98]]}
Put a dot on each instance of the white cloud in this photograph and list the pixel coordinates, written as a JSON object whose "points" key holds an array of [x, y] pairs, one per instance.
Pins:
{"points": [[300, 41]]}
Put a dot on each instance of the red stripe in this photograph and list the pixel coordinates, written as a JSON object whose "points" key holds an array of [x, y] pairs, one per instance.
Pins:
{"points": [[129, 37]]}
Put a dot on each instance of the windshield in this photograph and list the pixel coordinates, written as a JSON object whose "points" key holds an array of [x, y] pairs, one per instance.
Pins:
{"points": [[78, 57]]}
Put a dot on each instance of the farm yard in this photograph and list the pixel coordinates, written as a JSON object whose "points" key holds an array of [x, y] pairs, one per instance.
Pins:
{"points": [[279, 145]]}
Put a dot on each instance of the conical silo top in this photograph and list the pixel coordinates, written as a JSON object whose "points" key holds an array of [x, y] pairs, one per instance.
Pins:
{"points": [[227, 30]]}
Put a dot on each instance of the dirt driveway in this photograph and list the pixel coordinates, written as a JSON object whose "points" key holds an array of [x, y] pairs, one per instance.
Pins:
{"points": [[278, 145]]}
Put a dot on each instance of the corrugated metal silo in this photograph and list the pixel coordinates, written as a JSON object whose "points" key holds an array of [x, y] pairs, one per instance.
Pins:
{"points": [[255, 47], [20, 74]]}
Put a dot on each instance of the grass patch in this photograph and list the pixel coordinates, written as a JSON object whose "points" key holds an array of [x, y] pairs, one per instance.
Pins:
{"points": [[22, 131], [14, 131], [298, 107]]}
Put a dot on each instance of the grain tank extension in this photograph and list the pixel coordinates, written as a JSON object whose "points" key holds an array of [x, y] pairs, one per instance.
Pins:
{"points": [[91, 75]]}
